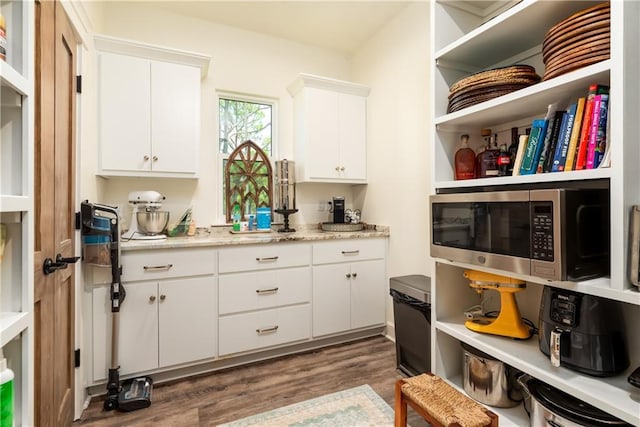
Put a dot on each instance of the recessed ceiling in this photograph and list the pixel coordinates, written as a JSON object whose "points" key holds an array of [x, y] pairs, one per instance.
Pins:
{"points": [[338, 25]]}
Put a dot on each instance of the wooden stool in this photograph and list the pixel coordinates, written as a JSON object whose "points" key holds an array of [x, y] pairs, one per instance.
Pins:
{"points": [[439, 404]]}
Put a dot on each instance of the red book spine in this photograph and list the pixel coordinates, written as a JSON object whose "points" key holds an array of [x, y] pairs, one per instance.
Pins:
{"points": [[581, 158], [593, 131]]}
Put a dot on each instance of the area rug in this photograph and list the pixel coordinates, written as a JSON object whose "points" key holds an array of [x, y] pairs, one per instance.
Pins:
{"points": [[359, 406]]}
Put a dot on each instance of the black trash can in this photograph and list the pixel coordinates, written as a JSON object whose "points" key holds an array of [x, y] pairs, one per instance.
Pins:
{"points": [[412, 316]]}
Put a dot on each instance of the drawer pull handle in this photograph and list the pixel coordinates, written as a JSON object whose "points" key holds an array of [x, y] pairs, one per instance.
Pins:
{"points": [[263, 331], [356, 252], [157, 267], [266, 291], [271, 258]]}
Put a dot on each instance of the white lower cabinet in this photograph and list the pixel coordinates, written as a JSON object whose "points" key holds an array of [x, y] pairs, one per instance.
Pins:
{"points": [[169, 315], [348, 296], [189, 305], [264, 328], [349, 285], [264, 296], [160, 324]]}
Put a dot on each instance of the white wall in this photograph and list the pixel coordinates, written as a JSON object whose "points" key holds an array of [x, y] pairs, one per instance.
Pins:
{"points": [[395, 64], [242, 61]]}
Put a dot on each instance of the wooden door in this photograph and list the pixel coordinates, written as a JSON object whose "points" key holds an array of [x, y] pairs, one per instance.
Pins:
{"points": [[54, 213]]}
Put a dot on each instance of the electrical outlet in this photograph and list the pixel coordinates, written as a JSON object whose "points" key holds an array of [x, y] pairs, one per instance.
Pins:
{"points": [[322, 205]]}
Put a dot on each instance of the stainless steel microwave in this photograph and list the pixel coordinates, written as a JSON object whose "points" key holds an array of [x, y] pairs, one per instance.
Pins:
{"points": [[555, 234]]}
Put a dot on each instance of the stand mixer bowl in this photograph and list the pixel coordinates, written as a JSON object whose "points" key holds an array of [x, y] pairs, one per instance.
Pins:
{"points": [[152, 222]]}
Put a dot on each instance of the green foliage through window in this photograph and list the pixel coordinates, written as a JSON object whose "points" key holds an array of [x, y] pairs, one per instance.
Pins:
{"points": [[242, 121]]}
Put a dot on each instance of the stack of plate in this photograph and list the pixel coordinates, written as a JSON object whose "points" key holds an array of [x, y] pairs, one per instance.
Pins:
{"points": [[490, 84], [580, 40]]}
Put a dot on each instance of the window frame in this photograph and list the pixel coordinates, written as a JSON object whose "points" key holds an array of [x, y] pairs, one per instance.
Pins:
{"points": [[220, 157]]}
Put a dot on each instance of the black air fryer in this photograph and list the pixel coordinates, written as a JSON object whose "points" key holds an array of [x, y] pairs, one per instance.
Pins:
{"points": [[582, 332]]}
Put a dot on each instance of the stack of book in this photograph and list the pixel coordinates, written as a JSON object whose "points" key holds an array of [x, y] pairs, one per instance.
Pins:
{"points": [[567, 140]]}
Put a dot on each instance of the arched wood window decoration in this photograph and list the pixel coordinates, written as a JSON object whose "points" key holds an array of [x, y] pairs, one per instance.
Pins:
{"points": [[247, 178]]}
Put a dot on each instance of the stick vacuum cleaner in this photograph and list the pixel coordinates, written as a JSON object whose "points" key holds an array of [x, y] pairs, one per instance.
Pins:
{"points": [[134, 393]]}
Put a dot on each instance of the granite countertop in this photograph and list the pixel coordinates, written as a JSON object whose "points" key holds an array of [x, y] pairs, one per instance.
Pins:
{"points": [[221, 236]]}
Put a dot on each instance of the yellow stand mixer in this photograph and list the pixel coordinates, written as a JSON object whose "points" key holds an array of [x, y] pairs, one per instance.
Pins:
{"points": [[509, 322]]}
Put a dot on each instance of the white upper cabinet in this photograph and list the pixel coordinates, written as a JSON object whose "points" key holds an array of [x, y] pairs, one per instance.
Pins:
{"points": [[330, 130], [148, 109]]}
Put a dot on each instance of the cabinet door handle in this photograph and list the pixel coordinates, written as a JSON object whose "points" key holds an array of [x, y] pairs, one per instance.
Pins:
{"points": [[163, 297], [266, 291], [157, 267], [146, 158], [354, 275], [152, 298], [356, 252], [337, 168], [262, 331], [264, 259], [341, 168], [348, 275], [155, 158]]}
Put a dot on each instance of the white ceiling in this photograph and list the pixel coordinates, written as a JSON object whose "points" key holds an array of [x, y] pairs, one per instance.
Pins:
{"points": [[338, 25]]}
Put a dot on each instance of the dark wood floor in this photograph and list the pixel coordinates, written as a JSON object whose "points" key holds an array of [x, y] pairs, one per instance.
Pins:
{"points": [[233, 393]]}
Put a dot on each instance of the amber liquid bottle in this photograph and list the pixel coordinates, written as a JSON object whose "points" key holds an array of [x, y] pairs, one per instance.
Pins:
{"points": [[487, 160], [465, 160]]}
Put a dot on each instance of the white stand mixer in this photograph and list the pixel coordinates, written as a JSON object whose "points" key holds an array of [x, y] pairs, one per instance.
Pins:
{"points": [[143, 201]]}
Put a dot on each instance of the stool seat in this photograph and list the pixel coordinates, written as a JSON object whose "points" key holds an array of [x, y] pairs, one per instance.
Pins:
{"points": [[439, 404]]}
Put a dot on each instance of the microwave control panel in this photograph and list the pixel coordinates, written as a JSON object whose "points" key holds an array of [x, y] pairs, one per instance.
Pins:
{"points": [[542, 231]]}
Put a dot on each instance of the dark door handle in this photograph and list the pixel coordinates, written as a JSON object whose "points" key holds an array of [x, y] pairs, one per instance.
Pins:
{"points": [[60, 263], [70, 260]]}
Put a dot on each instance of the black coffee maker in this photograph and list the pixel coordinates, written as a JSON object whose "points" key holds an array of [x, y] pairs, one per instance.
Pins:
{"points": [[582, 332], [338, 210]]}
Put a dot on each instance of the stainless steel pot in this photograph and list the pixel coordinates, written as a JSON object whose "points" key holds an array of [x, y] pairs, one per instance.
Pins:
{"points": [[489, 380], [552, 407]]}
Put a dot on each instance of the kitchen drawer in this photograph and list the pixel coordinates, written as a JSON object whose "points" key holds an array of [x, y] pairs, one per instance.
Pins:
{"points": [[263, 257], [348, 250], [165, 263], [266, 328], [264, 289]]}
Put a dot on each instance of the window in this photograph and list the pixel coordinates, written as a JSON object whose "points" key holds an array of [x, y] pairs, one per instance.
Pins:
{"points": [[241, 119]]}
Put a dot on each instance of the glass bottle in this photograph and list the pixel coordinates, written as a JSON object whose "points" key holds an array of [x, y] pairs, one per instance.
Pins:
{"points": [[513, 149], [465, 160], [487, 160], [504, 161]]}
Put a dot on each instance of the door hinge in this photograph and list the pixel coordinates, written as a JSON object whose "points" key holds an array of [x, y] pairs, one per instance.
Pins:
{"points": [[76, 358], [78, 221], [79, 84]]}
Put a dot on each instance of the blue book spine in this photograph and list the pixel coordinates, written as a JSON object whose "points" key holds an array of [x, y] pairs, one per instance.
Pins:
{"points": [[601, 139], [534, 147], [563, 142]]}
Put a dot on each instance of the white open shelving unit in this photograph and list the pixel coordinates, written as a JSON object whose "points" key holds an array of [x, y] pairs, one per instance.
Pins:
{"points": [[16, 203], [465, 40]]}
